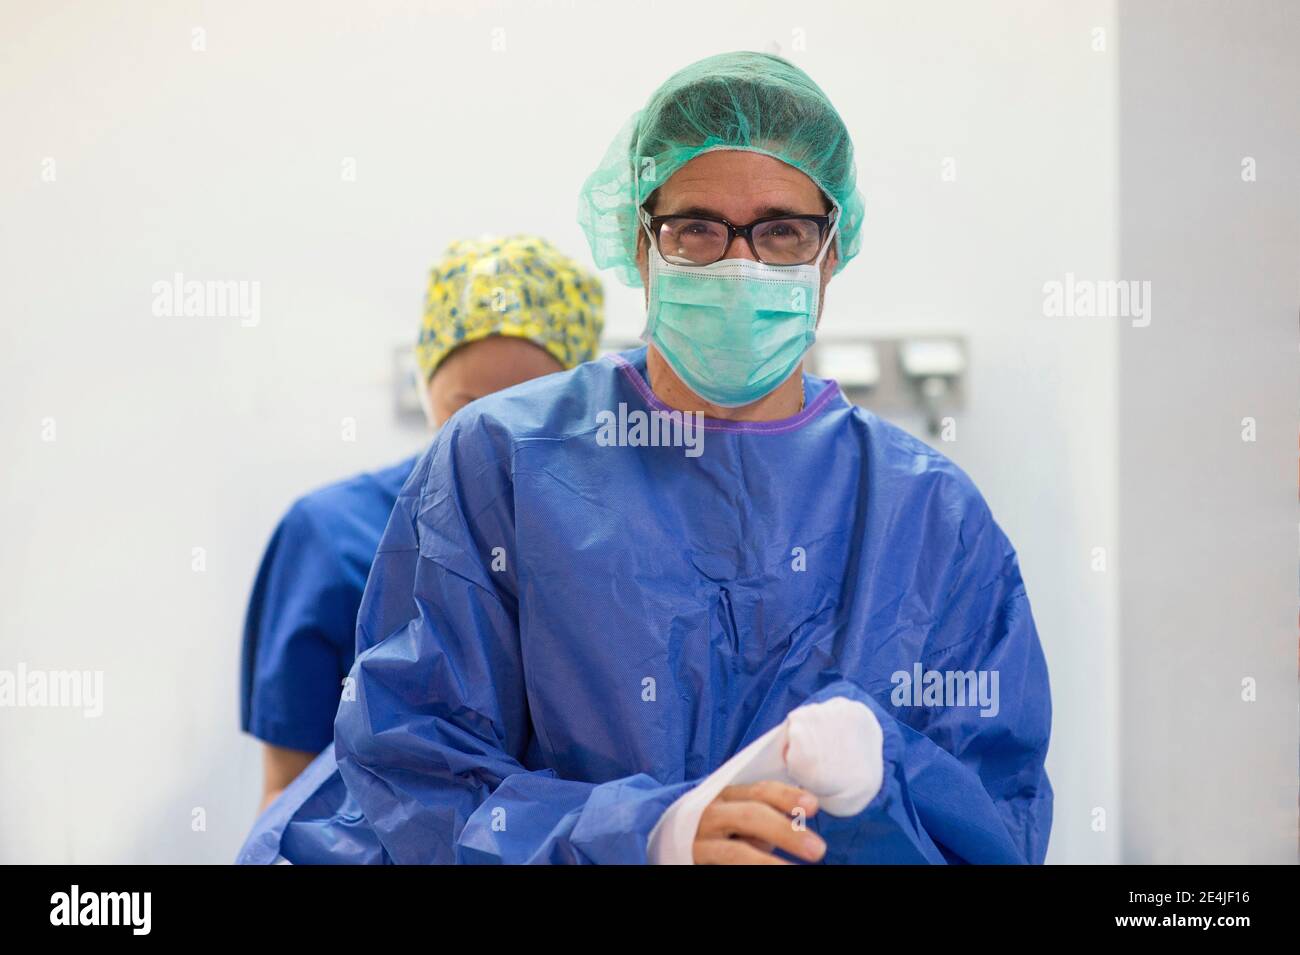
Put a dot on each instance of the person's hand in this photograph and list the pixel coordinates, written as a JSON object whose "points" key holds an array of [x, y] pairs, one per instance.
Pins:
{"points": [[745, 824]]}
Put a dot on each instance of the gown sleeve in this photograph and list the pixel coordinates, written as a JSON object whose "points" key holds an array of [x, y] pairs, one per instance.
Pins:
{"points": [[298, 637], [434, 728], [962, 783]]}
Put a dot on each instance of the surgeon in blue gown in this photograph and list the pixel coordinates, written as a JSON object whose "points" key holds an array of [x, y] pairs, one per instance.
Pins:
{"points": [[498, 311], [568, 628]]}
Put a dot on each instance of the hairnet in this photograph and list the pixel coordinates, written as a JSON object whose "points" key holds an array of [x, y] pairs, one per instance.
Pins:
{"points": [[751, 101], [519, 286]]}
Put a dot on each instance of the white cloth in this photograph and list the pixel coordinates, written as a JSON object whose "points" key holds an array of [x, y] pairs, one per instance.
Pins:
{"points": [[834, 749]]}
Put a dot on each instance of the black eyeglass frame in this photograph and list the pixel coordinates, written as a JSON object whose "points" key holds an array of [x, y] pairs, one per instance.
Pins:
{"points": [[746, 232]]}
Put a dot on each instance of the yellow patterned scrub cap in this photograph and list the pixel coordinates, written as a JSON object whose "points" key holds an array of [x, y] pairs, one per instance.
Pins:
{"points": [[517, 285]]}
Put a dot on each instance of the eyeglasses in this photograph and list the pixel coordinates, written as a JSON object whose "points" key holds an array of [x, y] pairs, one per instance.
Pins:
{"points": [[703, 240]]}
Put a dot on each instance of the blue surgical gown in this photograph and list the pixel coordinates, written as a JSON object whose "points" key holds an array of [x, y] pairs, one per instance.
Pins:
{"points": [[300, 631], [560, 637]]}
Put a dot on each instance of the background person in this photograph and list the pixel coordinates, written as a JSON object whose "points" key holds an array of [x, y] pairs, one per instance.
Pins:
{"points": [[498, 311]]}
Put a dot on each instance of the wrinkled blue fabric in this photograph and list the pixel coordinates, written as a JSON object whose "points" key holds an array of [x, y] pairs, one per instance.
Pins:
{"points": [[299, 633], [313, 822], [560, 638]]}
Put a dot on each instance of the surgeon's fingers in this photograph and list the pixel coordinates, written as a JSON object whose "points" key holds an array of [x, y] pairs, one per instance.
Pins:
{"points": [[732, 852], [756, 820], [778, 795]]}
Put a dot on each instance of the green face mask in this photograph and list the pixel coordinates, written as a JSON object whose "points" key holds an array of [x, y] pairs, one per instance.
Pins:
{"points": [[735, 330]]}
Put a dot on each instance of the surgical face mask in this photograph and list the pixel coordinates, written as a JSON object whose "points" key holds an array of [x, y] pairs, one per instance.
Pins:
{"points": [[735, 330]]}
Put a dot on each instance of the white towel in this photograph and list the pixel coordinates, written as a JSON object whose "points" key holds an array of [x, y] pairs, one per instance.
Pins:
{"points": [[834, 749]]}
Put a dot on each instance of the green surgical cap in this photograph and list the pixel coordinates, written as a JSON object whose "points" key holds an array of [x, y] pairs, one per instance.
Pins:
{"points": [[752, 101]]}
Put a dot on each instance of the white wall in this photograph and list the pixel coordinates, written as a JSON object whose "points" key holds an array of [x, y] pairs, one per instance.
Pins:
{"points": [[177, 433], [1207, 550]]}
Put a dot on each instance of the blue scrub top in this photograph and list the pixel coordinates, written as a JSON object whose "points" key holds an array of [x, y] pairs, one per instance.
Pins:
{"points": [[300, 633], [563, 633]]}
